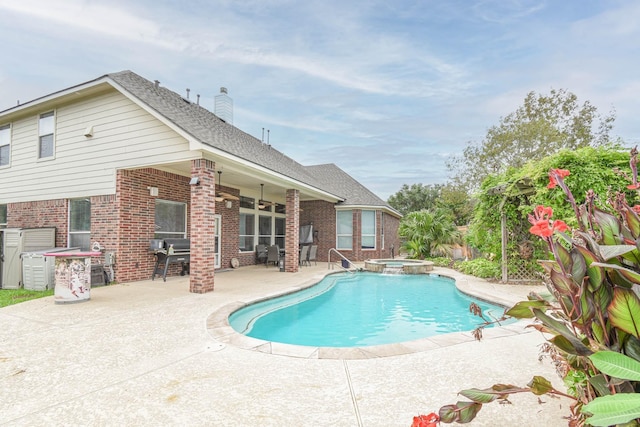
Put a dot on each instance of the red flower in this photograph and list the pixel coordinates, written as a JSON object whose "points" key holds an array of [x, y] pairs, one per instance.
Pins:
{"points": [[541, 222], [636, 209], [430, 420], [554, 174], [633, 186]]}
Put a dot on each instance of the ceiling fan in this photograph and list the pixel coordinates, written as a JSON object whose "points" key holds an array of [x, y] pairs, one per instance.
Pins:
{"points": [[263, 203], [221, 196]]}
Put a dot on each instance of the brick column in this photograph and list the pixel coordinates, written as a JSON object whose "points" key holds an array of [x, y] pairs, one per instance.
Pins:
{"points": [[203, 209], [292, 231]]}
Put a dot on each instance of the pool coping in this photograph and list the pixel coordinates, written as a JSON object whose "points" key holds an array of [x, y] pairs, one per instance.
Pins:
{"points": [[219, 328]]}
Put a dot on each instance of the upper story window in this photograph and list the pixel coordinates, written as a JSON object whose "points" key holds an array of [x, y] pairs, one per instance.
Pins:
{"points": [[3, 216], [368, 235], [5, 145], [80, 224], [344, 230], [46, 126], [170, 220]]}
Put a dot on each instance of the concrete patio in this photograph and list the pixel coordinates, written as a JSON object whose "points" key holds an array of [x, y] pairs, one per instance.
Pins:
{"points": [[152, 354]]}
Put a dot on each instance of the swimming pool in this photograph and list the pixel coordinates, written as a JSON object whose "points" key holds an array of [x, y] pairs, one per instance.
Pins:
{"points": [[363, 309]]}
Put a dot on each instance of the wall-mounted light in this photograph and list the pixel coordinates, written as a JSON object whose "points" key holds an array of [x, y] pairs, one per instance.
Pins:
{"points": [[194, 181], [229, 204], [88, 132], [153, 191]]}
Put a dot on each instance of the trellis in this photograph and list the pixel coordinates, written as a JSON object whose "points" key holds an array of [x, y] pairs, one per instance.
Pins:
{"points": [[517, 266]]}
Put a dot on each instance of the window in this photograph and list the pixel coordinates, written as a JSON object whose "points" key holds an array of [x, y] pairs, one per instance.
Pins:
{"points": [[247, 202], [281, 209], [280, 227], [170, 220], [3, 216], [80, 224], [368, 228], [46, 127], [247, 231], [344, 230], [381, 230], [264, 230], [5, 145]]}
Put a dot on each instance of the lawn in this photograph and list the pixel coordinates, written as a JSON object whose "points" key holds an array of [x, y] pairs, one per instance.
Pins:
{"points": [[15, 296]]}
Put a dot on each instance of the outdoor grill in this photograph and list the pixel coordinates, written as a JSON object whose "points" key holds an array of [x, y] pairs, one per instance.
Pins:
{"points": [[171, 251]]}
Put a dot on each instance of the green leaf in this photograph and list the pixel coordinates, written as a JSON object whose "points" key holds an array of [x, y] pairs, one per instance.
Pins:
{"points": [[600, 384], [616, 365], [562, 283], [630, 275], [481, 396], [613, 409], [562, 329], [522, 309], [540, 385], [633, 222], [612, 251], [595, 273], [610, 227], [579, 266], [624, 311], [632, 347], [461, 412]]}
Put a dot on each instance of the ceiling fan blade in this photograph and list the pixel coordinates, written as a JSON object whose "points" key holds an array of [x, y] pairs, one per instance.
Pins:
{"points": [[228, 196]]}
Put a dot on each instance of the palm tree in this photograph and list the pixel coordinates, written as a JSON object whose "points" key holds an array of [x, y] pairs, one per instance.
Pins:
{"points": [[428, 233]]}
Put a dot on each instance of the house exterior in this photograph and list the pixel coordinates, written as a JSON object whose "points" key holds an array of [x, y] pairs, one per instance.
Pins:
{"points": [[115, 161]]}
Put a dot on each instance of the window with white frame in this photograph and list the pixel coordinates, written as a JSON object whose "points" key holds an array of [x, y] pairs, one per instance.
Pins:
{"points": [[247, 231], [80, 224], [344, 230], [280, 231], [5, 145], [170, 220], [3, 216], [264, 230], [46, 126], [381, 230], [368, 229]]}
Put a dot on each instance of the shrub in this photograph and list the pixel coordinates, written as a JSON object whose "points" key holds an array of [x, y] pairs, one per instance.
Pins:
{"points": [[479, 267]]}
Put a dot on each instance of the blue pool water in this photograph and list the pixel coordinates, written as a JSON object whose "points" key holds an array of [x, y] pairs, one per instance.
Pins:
{"points": [[346, 310]]}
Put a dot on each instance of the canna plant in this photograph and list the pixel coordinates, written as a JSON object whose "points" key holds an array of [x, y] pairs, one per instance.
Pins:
{"points": [[592, 315]]}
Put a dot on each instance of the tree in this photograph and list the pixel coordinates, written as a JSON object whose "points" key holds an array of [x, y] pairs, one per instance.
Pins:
{"points": [[415, 198], [428, 233], [591, 168], [543, 125]]}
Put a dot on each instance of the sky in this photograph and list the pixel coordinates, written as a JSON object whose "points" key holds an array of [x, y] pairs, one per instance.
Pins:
{"points": [[388, 90]]}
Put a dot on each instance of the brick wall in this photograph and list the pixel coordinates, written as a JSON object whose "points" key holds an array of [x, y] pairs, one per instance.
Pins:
{"points": [[46, 213], [136, 218], [323, 216]]}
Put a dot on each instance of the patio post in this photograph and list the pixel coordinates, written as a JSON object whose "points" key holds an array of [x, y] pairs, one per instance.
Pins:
{"points": [[292, 231], [202, 229]]}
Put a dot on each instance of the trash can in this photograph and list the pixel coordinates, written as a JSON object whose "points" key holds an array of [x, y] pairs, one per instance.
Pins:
{"points": [[345, 263], [281, 264], [72, 276]]}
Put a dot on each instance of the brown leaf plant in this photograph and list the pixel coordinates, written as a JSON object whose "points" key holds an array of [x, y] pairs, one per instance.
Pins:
{"points": [[592, 317]]}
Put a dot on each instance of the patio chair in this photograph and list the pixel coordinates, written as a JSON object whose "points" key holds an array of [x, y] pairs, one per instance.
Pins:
{"points": [[304, 255], [273, 255], [313, 252], [261, 254]]}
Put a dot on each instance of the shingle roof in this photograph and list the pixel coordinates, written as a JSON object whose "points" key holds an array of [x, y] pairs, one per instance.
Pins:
{"points": [[208, 128], [335, 180], [213, 131]]}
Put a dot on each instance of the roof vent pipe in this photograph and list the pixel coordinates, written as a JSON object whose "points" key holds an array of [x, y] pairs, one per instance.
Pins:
{"points": [[156, 84]]}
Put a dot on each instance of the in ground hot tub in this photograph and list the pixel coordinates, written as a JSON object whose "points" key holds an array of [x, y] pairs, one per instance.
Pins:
{"points": [[403, 266]]}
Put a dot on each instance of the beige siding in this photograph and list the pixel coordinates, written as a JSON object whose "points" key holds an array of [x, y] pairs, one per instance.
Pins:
{"points": [[125, 136]]}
